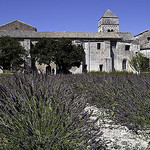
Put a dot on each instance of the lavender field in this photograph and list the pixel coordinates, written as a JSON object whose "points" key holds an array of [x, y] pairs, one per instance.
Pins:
{"points": [[48, 112]]}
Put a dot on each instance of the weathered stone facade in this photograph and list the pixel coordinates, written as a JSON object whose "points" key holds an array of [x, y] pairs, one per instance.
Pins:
{"points": [[144, 40], [105, 50], [108, 22]]}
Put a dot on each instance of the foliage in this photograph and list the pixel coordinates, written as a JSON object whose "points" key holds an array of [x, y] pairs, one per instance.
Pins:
{"points": [[68, 55], [139, 63], [28, 104], [11, 53], [41, 112], [43, 51], [60, 51], [113, 72], [125, 96]]}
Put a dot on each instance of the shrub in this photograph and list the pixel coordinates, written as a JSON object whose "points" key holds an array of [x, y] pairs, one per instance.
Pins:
{"points": [[33, 108], [41, 112], [98, 72], [126, 96], [113, 72]]}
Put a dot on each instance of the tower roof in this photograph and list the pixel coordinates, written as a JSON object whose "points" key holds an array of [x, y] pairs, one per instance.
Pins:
{"points": [[109, 14]]}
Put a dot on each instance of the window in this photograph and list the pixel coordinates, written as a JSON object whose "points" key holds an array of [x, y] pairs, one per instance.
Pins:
{"points": [[113, 44], [110, 30], [124, 64], [148, 38], [98, 45], [101, 67], [127, 47]]}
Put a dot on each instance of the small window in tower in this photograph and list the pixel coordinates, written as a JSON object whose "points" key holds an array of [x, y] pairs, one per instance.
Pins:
{"points": [[108, 30], [127, 47], [98, 45], [112, 30], [16, 28], [148, 38]]}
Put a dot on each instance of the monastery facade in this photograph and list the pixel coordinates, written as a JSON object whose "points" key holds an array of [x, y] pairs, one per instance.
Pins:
{"points": [[106, 50]]}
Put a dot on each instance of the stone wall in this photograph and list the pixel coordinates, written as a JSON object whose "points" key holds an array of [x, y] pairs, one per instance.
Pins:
{"points": [[143, 37], [110, 28], [109, 57], [123, 54], [108, 24], [108, 21], [92, 56]]}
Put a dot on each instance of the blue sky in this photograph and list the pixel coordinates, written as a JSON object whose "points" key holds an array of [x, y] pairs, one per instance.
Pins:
{"points": [[76, 15]]}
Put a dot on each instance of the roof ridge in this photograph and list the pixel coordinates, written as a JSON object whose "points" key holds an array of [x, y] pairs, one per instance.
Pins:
{"points": [[142, 32]]}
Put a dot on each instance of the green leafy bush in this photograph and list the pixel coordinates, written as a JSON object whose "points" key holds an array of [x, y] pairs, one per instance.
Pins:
{"points": [[139, 63], [41, 112]]}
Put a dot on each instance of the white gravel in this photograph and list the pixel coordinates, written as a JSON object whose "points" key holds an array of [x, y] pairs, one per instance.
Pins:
{"points": [[117, 136]]}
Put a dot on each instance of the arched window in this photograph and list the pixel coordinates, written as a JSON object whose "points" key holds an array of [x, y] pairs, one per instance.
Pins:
{"points": [[108, 30], [124, 64], [112, 30]]}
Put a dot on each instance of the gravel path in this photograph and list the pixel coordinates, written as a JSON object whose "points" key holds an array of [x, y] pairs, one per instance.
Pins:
{"points": [[120, 137]]}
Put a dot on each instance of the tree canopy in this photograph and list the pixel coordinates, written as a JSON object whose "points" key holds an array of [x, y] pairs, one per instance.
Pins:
{"points": [[43, 51], [60, 51], [139, 63], [11, 53]]}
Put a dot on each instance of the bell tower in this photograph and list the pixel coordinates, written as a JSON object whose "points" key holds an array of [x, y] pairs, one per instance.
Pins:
{"points": [[108, 22]]}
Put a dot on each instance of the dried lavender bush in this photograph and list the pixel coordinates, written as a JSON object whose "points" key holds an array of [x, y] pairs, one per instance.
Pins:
{"points": [[44, 112]]}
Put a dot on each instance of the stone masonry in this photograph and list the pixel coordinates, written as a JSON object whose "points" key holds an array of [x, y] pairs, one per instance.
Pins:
{"points": [[144, 40], [105, 50]]}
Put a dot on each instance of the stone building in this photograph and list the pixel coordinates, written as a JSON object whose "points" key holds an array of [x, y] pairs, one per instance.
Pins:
{"points": [[144, 40], [106, 50]]}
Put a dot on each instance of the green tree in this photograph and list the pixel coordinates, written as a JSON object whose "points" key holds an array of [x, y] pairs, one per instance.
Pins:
{"points": [[43, 51], [11, 53], [60, 51], [139, 63], [67, 55]]}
